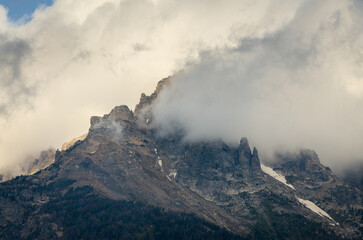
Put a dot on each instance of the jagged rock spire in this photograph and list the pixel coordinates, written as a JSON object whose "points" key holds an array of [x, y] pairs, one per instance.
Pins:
{"points": [[249, 160], [244, 150], [147, 100], [255, 164]]}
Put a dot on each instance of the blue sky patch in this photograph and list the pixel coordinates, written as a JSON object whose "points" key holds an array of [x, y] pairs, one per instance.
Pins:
{"points": [[18, 9]]}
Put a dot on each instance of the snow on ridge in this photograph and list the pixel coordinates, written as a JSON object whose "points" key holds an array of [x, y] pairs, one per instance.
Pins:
{"points": [[310, 205], [275, 175], [314, 208]]}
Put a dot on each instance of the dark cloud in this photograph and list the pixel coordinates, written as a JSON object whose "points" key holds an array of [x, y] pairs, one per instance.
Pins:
{"points": [[15, 89], [138, 47]]}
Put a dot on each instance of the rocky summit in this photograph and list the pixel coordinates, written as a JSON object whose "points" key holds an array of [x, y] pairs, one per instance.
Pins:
{"points": [[124, 181]]}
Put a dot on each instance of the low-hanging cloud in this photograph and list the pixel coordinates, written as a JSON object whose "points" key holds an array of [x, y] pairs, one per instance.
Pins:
{"points": [[76, 59], [300, 86], [81, 58], [15, 90], [110, 127]]}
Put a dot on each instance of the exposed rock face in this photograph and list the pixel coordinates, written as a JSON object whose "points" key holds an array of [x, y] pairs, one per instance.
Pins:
{"points": [[31, 166], [143, 108], [146, 101], [45, 159], [318, 184], [123, 159], [70, 143]]}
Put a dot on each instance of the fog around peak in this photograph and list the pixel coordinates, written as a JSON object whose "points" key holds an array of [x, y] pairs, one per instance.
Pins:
{"points": [[298, 87], [285, 74]]}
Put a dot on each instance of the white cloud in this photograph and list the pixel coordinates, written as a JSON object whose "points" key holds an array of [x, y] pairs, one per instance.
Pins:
{"points": [[85, 57], [297, 87]]}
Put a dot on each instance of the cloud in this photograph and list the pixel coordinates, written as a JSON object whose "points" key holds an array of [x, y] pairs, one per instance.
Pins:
{"points": [[110, 128], [76, 59], [14, 89], [300, 86]]}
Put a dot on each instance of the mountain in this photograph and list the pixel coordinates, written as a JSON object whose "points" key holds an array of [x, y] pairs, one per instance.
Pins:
{"points": [[45, 159], [122, 180], [353, 176]]}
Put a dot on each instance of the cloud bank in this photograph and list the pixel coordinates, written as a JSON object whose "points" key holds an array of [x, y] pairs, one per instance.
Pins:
{"points": [[81, 58], [300, 86], [279, 72]]}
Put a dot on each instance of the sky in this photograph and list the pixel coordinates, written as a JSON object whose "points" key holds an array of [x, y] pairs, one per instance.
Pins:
{"points": [[23, 9], [286, 74]]}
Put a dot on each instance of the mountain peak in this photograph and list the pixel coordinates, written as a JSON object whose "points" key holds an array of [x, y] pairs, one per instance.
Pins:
{"points": [[122, 113], [244, 150], [146, 101], [255, 164]]}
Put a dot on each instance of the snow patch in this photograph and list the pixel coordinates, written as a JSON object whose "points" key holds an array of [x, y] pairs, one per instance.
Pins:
{"points": [[160, 163], [173, 174], [275, 175], [147, 120], [310, 205], [156, 151], [314, 208]]}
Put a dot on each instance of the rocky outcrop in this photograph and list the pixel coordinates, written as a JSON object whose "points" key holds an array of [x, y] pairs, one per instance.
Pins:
{"points": [[143, 111], [71, 143], [146, 101], [45, 159], [317, 183]]}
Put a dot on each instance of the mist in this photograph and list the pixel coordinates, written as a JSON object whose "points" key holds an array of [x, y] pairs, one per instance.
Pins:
{"points": [[300, 86], [76, 59], [285, 74]]}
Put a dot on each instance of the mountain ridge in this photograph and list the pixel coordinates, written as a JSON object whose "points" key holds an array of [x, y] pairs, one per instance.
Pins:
{"points": [[124, 159]]}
